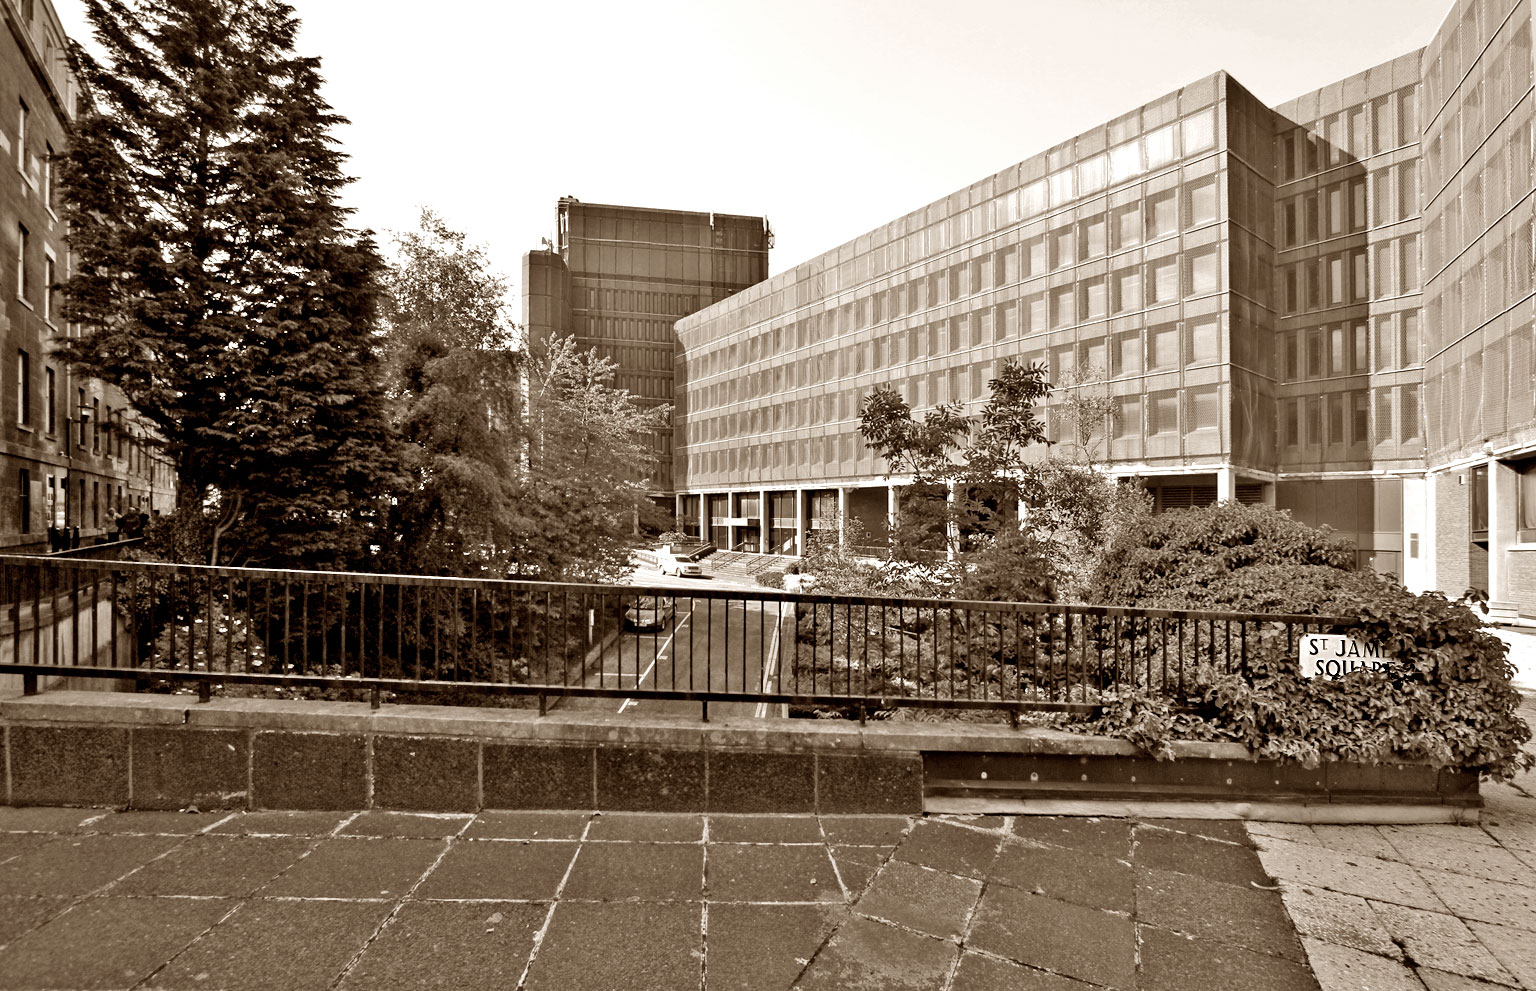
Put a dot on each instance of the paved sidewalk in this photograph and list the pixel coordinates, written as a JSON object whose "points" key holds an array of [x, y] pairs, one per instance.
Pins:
{"points": [[94, 899]]}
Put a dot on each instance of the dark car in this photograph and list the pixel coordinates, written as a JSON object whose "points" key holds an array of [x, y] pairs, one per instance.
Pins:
{"points": [[650, 612]]}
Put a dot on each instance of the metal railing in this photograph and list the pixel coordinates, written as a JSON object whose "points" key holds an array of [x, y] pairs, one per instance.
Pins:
{"points": [[396, 633]]}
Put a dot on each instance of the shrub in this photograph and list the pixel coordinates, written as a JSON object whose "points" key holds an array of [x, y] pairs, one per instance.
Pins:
{"points": [[771, 579], [1013, 566], [1446, 700]]}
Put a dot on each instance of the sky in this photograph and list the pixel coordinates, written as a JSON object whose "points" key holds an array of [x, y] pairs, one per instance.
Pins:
{"points": [[830, 117]]}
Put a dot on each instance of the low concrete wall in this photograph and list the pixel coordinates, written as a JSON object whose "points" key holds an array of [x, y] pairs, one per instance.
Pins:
{"points": [[169, 751]]}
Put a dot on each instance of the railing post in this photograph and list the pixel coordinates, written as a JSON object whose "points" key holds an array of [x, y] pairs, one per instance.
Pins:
{"points": [[373, 698], [543, 704], [704, 705], [29, 683], [204, 691]]}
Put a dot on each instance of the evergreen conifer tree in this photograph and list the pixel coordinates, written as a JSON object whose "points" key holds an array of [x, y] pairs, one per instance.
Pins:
{"points": [[216, 280]]}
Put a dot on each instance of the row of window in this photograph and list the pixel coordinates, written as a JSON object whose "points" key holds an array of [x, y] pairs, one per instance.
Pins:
{"points": [[1347, 348], [55, 502], [1389, 268], [1482, 101], [1484, 395], [88, 421], [1342, 207], [1480, 198], [670, 304], [1158, 215], [1492, 277], [1356, 132], [625, 329], [1344, 418]]}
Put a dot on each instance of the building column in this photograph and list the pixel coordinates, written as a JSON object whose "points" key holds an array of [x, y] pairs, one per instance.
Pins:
{"points": [[951, 528], [704, 517], [677, 510], [799, 521], [1501, 528], [842, 515], [1226, 484], [764, 522]]}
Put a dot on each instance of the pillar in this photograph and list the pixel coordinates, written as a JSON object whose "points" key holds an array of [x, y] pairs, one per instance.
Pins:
{"points": [[800, 521], [842, 516], [1226, 484], [677, 510], [764, 521], [951, 527], [1502, 492], [704, 517]]}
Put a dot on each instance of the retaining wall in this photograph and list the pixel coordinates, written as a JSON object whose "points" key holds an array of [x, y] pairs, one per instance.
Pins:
{"points": [[170, 752]]}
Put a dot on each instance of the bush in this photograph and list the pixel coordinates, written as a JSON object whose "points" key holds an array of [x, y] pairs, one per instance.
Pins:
{"points": [[771, 579], [1446, 700]]}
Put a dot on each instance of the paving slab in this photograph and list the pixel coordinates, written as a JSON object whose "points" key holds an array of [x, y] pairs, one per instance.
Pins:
{"points": [[868, 954], [1346, 920], [1215, 829], [499, 870], [18, 915], [1366, 841], [75, 865], [47, 819], [984, 973], [1188, 853], [1476, 859], [1213, 910], [1514, 948], [283, 823], [1173, 962], [764, 829], [528, 825], [357, 867], [1434, 939], [1368, 877], [871, 830], [1500, 902], [648, 828], [254, 949], [426, 825], [856, 866], [449, 946], [771, 873], [921, 898], [1070, 875], [106, 942], [1073, 940], [1106, 837], [1341, 968], [762, 947], [637, 871], [949, 847], [619, 947], [173, 823], [224, 866]]}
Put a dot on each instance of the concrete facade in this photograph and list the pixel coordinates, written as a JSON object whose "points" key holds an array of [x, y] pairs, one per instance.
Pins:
{"points": [[1325, 305], [71, 455]]}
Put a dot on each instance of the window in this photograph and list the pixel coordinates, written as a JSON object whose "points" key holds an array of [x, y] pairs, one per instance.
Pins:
{"points": [[24, 500], [1204, 408], [1034, 251], [1410, 414], [1126, 290], [48, 286], [1199, 131], [1360, 411], [1336, 419], [1163, 280], [1163, 413], [95, 426], [1062, 312], [1163, 347], [1201, 202], [1314, 420], [1095, 299], [21, 138], [1128, 422], [48, 175], [1063, 251], [1128, 353], [1204, 340], [1204, 271], [1162, 215], [1161, 147], [1478, 479], [1092, 240], [51, 402], [1292, 426], [23, 288], [23, 388], [1127, 225]]}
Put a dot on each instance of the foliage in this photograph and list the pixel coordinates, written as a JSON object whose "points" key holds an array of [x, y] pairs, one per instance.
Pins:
{"points": [[1014, 566], [1446, 698], [216, 279], [587, 466], [455, 393], [773, 578]]}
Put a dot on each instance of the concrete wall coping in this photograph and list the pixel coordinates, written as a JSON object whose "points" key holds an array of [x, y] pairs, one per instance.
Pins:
{"points": [[526, 725]]}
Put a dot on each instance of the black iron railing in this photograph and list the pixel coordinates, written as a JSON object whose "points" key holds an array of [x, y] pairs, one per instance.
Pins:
{"points": [[395, 633]]}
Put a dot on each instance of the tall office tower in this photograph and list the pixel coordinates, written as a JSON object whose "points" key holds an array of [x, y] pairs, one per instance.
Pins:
{"points": [[1325, 305], [72, 456], [620, 278]]}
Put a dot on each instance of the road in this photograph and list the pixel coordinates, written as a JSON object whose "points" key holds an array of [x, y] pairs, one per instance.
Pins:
{"points": [[709, 644]]}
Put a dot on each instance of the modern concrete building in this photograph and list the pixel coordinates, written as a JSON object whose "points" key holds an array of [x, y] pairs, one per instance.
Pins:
{"points": [[1325, 305], [621, 276], [71, 456]]}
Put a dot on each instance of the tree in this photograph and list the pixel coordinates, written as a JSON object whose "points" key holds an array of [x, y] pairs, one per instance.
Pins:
{"points": [[455, 391], [216, 280], [588, 465], [982, 461]]}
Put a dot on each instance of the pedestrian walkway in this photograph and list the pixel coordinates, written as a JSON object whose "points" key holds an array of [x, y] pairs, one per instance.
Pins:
{"points": [[570, 901]]}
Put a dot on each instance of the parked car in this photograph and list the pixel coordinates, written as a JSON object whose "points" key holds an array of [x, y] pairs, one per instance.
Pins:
{"points": [[683, 564], [650, 612]]}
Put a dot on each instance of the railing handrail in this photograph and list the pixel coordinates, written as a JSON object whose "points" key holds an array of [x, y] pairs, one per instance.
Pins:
{"points": [[753, 595]]}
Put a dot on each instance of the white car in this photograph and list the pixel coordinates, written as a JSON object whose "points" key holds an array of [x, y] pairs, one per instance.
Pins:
{"points": [[684, 566]]}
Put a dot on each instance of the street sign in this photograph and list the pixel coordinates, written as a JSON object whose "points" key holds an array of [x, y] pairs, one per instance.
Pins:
{"points": [[1333, 655]]}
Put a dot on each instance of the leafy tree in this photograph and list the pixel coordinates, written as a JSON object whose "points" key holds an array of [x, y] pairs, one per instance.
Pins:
{"points": [[216, 279], [455, 386], [587, 466], [982, 460]]}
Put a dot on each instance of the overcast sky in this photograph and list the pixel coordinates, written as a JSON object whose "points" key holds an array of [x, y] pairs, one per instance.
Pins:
{"points": [[830, 117]]}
